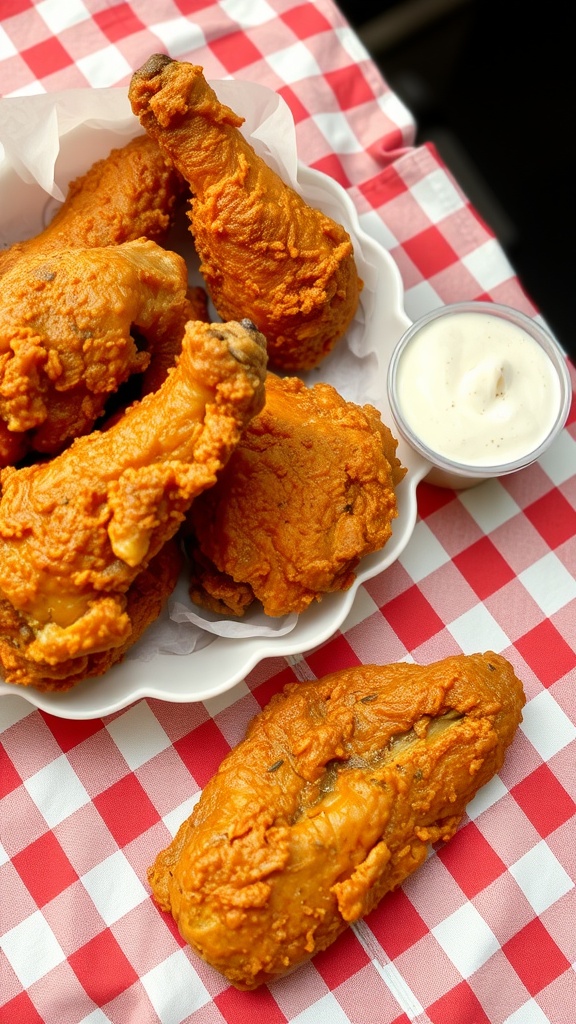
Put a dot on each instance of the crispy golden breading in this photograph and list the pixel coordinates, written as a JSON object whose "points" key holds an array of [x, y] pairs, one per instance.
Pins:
{"points": [[68, 326], [332, 800], [131, 193], [265, 253], [309, 491], [76, 532]]}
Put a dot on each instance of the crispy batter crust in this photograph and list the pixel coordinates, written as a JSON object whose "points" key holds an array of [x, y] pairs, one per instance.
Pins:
{"points": [[332, 800]]}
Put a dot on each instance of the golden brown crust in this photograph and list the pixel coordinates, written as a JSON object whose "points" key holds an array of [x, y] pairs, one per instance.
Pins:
{"points": [[265, 253], [310, 490], [131, 193], [332, 800]]}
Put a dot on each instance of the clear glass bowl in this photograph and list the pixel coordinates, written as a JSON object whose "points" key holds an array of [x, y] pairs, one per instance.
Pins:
{"points": [[452, 472]]}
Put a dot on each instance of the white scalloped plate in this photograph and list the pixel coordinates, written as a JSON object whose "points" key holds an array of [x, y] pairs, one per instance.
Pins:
{"points": [[379, 323]]}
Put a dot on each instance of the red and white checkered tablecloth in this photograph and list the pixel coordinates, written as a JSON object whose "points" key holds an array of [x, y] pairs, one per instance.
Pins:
{"points": [[484, 932]]}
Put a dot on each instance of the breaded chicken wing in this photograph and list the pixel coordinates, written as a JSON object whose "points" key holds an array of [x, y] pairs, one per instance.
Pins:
{"points": [[331, 801], [309, 491], [265, 253], [72, 329], [132, 193], [76, 532]]}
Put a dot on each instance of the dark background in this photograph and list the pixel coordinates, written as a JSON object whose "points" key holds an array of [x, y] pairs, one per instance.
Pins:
{"points": [[492, 85]]}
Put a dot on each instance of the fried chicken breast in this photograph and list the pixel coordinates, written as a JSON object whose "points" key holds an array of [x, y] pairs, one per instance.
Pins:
{"points": [[74, 325], [308, 492], [131, 193], [265, 253], [332, 800], [76, 532]]}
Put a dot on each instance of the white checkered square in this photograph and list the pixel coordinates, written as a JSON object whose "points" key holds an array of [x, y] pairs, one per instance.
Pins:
{"points": [[248, 13], [466, 939], [13, 709], [325, 1009], [437, 196], [488, 265], [336, 129], [374, 226], [7, 48], [549, 583], [174, 818], [423, 553], [104, 68], [179, 36], [489, 504], [541, 877], [59, 16], [57, 791], [559, 462], [175, 1002], [32, 949], [529, 1013], [114, 887], [477, 630], [420, 299], [352, 45], [391, 105], [486, 797], [294, 63], [546, 725], [362, 607], [138, 735]]}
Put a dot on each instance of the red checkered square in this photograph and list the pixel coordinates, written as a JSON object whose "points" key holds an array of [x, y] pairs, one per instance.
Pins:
{"points": [[118, 22], [333, 656], [332, 166], [246, 1007], [459, 1004], [544, 800], [44, 868], [235, 51], [344, 958], [430, 252], [349, 86], [208, 739], [69, 733], [10, 8], [102, 968], [412, 618], [484, 568], [535, 647], [297, 108], [20, 1010], [385, 187], [192, 6], [47, 57], [266, 690], [9, 778], [553, 517], [396, 924], [430, 498], [471, 860], [535, 956], [126, 809], [306, 20]]}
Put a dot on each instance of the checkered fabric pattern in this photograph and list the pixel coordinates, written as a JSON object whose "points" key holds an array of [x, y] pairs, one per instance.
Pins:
{"points": [[483, 933]]}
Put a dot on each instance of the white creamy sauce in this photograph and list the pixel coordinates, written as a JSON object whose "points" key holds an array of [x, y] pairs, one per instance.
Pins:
{"points": [[477, 389]]}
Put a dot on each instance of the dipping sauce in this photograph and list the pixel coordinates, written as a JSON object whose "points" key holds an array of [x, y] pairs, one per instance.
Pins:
{"points": [[478, 389]]}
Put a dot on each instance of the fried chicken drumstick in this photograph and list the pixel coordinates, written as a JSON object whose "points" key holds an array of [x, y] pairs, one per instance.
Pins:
{"points": [[332, 800], [76, 532], [264, 252], [308, 492], [68, 326], [131, 193]]}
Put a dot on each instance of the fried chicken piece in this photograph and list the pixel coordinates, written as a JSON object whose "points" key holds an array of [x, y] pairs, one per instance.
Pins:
{"points": [[331, 801], [145, 599], [72, 326], [310, 490], [132, 193], [77, 531], [265, 253]]}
